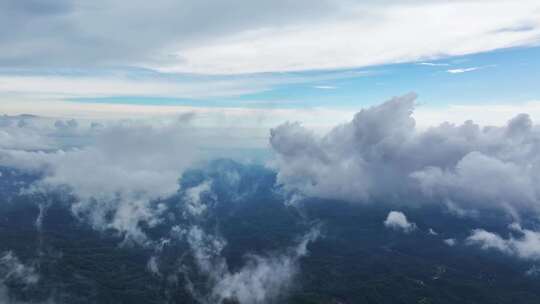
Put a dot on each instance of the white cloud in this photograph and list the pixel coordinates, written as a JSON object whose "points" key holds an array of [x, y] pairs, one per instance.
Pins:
{"points": [[118, 175], [23, 132], [482, 114], [450, 242], [153, 265], [258, 120], [462, 70], [525, 245], [488, 240], [60, 32], [458, 211], [262, 279], [398, 221], [325, 87], [193, 204], [265, 36], [434, 64], [381, 156], [111, 83], [368, 35], [11, 269], [69, 86]]}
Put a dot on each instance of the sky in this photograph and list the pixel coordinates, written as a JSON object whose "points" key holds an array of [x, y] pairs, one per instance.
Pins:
{"points": [[315, 61]]}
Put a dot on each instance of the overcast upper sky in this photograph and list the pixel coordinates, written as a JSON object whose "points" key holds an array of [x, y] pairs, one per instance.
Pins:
{"points": [[256, 36], [58, 54]]}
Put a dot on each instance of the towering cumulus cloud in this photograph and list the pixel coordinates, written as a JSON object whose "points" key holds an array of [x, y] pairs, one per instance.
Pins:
{"points": [[381, 156]]}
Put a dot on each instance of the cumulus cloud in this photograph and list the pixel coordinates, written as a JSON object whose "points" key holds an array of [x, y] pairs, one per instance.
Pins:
{"points": [[342, 163], [22, 132], [381, 156], [398, 221], [124, 172], [433, 64], [66, 125], [488, 240], [524, 244]]}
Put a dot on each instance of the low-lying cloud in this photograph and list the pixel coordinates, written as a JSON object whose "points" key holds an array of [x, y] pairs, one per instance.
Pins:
{"points": [[398, 221], [262, 279], [523, 243], [12, 269], [116, 178]]}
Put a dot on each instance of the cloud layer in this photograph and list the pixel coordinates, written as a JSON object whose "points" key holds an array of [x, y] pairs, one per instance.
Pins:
{"points": [[115, 177], [323, 34]]}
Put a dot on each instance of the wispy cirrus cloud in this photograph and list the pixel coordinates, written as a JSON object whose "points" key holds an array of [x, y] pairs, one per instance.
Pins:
{"points": [[434, 64], [373, 31], [462, 70], [468, 69], [325, 87]]}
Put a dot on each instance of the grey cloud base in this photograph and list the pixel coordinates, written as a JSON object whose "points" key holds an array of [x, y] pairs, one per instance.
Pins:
{"points": [[381, 156]]}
